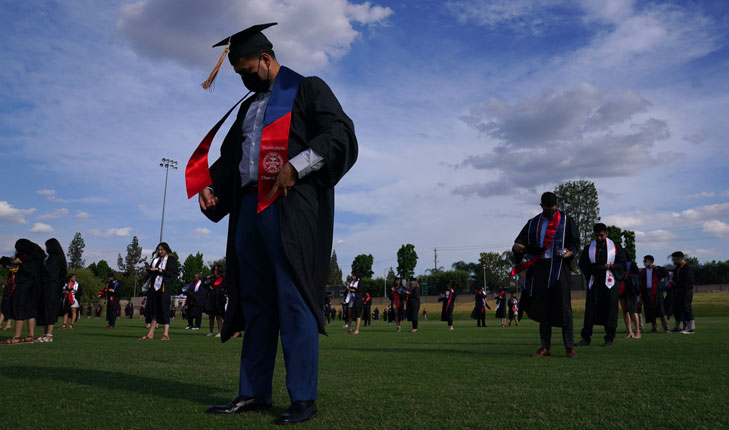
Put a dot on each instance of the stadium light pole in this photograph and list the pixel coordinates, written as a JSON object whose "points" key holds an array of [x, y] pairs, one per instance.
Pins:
{"points": [[167, 164]]}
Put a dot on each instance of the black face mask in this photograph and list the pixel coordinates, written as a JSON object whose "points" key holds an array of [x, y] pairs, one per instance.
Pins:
{"points": [[254, 82], [548, 213]]}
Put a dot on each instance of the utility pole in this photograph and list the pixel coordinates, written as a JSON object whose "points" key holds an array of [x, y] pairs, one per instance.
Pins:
{"points": [[435, 260], [167, 164]]}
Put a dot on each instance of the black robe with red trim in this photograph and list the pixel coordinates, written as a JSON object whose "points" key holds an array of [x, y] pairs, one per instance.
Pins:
{"points": [[307, 214]]}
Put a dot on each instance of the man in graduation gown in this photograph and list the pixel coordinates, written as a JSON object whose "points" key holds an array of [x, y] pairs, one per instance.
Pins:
{"points": [[112, 293], [683, 285], [195, 300], [603, 264], [289, 146], [651, 290], [547, 245]]}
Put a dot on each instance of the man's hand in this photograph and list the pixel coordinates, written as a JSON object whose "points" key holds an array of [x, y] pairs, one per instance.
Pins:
{"points": [[567, 254], [285, 179], [207, 199], [608, 266], [17, 261], [518, 247]]}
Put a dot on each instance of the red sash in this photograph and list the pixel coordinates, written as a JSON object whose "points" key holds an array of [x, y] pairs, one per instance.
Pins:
{"points": [[548, 238]]}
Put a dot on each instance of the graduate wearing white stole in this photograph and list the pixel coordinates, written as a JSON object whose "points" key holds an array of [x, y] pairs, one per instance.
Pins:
{"points": [[603, 265]]}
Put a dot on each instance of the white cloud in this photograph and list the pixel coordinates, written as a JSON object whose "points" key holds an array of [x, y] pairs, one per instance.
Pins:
{"points": [[655, 237], [201, 232], [521, 16], [309, 34], [701, 195], [50, 195], [115, 232], [13, 215], [55, 214], [717, 228], [40, 227], [82, 215], [641, 219], [560, 135]]}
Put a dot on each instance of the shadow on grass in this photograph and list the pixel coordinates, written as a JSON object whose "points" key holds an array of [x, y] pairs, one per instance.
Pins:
{"points": [[409, 349], [135, 384]]}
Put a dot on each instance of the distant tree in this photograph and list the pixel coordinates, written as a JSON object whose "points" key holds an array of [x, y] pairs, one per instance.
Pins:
{"points": [[390, 273], [470, 268], [362, 265], [90, 285], [579, 200], [75, 252], [220, 262], [131, 265], [193, 264], [625, 238], [335, 272], [407, 259], [100, 269], [496, 269]]}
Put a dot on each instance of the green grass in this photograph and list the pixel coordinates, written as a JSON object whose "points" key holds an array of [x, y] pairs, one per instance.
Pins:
{"points": [[469, 378]]}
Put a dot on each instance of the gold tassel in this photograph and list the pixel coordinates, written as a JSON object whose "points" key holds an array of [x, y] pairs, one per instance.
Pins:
{"points": [[209, 81]]}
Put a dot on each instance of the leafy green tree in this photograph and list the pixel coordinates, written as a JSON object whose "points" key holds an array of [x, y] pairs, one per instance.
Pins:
{"points": [[335, 272], [496, 269], [193, 264], [90, 285], [407, 259], [579, 200], [362, 265], [101, 269], [131, 266], [76, 252], [470, 268], [625, 238]]}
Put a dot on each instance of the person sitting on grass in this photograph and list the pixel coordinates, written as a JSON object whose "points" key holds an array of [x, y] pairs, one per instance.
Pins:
{"points": [[162, 277]]}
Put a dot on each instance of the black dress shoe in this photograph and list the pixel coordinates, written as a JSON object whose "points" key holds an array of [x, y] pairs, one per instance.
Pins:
{"points": [[298, 412], [240, 404], [608, 343], [582, 342]]}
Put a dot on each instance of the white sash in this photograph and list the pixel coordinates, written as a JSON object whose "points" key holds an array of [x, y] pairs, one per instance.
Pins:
{"points": [[350, 294], [611, 252], [158, 280]]}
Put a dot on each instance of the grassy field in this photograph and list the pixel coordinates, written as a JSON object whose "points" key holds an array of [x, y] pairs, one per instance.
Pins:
{"points": [[469, 378]]}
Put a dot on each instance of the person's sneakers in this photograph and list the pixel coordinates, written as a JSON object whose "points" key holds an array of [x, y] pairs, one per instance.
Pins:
{"points": [[217, 335], [583, 342], [571, 353], [195, 328], [608, 343], [298, 412], [188, 327], [210, 334], [689, 331], [543, 352], [675, 330], [240, 404]]}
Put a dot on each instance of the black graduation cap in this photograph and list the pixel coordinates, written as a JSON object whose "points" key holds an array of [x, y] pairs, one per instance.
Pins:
{"points": [[240, 44]]}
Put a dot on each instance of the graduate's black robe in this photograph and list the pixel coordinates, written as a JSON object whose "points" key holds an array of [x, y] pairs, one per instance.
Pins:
{"points": [[50, 297], [28, 282], [413, 303], [112, 299], [196, 300], [446, 313], [307, 213], [480, 306], [653, 305], [549, 304], [631, 284], [601, 302]]}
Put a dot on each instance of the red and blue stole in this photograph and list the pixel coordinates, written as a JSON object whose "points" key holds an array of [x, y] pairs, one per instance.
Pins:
{"points": [[553, 239], [274, 141], [275, 134]]}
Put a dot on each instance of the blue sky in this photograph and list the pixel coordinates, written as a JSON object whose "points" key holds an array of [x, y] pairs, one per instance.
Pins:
{"points": [[465, 112]]}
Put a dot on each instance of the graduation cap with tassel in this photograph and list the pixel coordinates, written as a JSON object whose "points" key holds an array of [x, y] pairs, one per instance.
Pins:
{"points": [[246, 43]]}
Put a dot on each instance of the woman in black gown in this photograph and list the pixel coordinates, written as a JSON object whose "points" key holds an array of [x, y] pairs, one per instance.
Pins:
{"points": [[54, 273], [162, 276], [215, 300], [24, 298]]}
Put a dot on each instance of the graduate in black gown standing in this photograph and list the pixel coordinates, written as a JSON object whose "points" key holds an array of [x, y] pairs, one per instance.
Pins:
{"points": [[652, 280], [289, 146], [602, 263], [413, 303], [28, 283], [54, 275], [449, 303], [630, 289], [547, 244], [112, 294], [163, 273]]}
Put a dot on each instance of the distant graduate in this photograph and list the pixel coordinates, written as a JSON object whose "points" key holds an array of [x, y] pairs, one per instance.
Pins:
{"points": [[413, 303], [112, 294], [479, 308], [652, 281], [54, 275], [683, 285], [603, 264], [449, 302]]}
